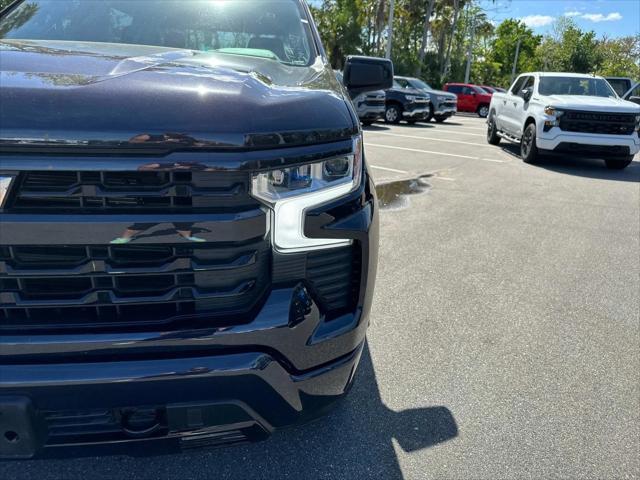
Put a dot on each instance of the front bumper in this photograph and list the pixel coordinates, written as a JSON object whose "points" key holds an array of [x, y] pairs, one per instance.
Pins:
{"points": [[417, 112], [554, 139], [368, 112], [231, 383], [445, 111], [201, 401]]}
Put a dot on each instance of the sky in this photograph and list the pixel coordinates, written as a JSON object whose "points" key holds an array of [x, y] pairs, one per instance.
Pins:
{"points": [[613, 18]]}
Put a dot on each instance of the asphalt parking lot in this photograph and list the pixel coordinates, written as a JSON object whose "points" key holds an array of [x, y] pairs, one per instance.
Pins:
{"points": [[504, 336]]}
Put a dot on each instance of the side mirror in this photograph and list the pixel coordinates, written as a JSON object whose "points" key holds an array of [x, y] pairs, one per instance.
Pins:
{"points": [[634, 99], [526, 94], [365, 74]]}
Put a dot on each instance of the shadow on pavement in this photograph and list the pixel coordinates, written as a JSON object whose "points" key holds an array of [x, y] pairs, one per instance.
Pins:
{"points": [[354, 441], [579, 166], [375, 128], [418, 125]]}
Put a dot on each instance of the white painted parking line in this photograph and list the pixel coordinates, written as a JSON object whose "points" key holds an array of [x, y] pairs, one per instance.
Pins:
{"points": [[387, 169], [446, 140], [445, 178], [493, 160], [417, 150], [420, 151], [457, 132]]}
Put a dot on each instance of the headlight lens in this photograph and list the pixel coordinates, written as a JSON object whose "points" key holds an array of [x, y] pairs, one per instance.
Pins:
{"points": [[291, 191], [411, 98], [553, 111]]}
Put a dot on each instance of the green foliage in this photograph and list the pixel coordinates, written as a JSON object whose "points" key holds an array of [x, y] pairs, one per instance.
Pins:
{"points": [[4, 3], [503, 50], [570, 49], [620, 57]]}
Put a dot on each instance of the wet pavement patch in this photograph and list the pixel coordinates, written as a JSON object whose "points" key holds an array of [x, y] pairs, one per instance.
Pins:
{"points": [[394, 195]]}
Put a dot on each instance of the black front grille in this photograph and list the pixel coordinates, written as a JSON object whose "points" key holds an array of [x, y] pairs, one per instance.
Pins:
{"points": [[139, 192], [372, 102], [334, 278], [599, 123], [130, 287]]}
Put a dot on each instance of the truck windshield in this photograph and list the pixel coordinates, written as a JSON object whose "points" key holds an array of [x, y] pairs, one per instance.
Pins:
{"points": [[275, 29], [419, 84], [594, 87]]}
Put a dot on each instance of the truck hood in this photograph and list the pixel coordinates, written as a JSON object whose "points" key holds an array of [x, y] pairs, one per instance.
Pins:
{"points": [[115, 95], [592, 104], [442, 93]]}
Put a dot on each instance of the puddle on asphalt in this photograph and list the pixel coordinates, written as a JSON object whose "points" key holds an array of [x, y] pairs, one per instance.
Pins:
{"points": [[395, 195]]}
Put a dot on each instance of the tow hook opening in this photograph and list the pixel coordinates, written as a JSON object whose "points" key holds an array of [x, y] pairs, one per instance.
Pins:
{"points": [[142, 422]]}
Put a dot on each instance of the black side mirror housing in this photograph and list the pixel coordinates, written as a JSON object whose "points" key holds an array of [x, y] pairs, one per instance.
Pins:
{"points": [[527, 93], [365, 74], [634, 99]]}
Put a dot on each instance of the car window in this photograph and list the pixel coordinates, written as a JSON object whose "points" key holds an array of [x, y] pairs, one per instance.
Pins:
{"points": [[275, 29], [403, 83], [517, 86], [556, 85], [467, 90], [620, 85], [479, 90], [454, 88], [528, 83]]}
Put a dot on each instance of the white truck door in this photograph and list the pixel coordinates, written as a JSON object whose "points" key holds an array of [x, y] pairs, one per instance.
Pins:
{"points": [[506, 117], [521, 106]]}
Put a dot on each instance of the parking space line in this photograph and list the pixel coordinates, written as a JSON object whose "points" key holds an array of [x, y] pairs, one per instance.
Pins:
{"points": [[420, 151], [458, 132], [436, 139], [387, 169], [417, 150]]}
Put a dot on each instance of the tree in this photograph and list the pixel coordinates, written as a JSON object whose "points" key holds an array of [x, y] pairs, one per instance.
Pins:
{"points": [[569, 49], [340, 26], [620, 57], [503, 49]]}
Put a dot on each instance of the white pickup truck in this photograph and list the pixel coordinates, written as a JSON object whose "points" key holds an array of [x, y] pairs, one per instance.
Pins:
{"points": [[565, 113]]}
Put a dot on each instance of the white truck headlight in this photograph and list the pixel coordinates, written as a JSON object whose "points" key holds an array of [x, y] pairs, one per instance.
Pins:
{"points": [[411, 98], [293, 190]]}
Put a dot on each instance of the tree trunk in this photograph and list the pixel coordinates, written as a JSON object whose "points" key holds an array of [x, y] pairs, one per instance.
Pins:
{"points": [[447, 60], [425, 36], [380, 17]]}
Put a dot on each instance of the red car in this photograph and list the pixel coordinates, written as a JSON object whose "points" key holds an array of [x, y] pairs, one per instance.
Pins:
{"points": [[471, 98]]}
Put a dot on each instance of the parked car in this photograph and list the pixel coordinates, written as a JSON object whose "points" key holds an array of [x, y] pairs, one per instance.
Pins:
{"points": [[633, 94], [406, 103], [471, 98], [621, 85], [443, 105], [189, 231], [370, 105], [489, 89], [566, 113]]}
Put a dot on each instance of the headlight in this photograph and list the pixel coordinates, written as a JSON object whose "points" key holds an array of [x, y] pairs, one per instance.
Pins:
{"points": [[411, 98], [291, 191], [553, 111]]}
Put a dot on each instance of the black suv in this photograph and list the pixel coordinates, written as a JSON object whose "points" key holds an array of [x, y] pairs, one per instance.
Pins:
{"points": [[188, 237], [406, 103]]}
